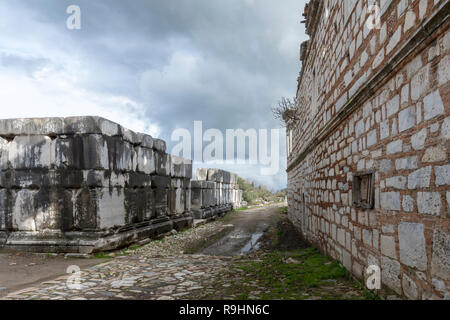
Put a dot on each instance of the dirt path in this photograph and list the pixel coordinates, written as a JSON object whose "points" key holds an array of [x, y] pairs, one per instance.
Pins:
{"points": [[21, 270], [248, 228]]}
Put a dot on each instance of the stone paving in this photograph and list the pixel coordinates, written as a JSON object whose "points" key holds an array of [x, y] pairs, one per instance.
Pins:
{"points": [[157, 271], [161, 270]]}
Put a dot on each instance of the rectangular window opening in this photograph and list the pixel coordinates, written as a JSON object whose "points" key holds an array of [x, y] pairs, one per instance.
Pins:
{"points": [[363, 189]]}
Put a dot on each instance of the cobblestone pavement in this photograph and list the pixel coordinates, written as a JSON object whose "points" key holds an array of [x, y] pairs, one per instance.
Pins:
{"points": [[158, 270], [161, 270]]}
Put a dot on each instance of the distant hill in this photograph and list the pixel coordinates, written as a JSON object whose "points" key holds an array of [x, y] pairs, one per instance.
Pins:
{"points": [[259, 195]]}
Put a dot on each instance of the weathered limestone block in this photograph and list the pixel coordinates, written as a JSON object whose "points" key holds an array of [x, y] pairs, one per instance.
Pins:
{"points": [[137, 180], [82, 184], [215, 175], [35, 210], [4, 208], [145, 160], [163, 163], [409, 287], [85, 206], [188, 195], [145, 140], [110, 208], [82, 152], [177, 167], [197, 194], [91, 125], [33, 126], [138, 205], [412, 245], [121, 154], [159, 145], [31, 152], [202, 174], [3, 154], [160, 187], [440, 257], [176, 196], [390, 274]]}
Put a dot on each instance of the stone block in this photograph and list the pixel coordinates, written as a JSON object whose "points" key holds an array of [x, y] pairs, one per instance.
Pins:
{"points": [[27, 152], [409, 288], [390, 201], [177, 168], [146, 161], [390, 274], [159, 145], [445, 130], [420, 178], [82, 152], [388, 246], [215, 175], [412, 245], [31, 126], [138, 205], [188, 168], [202, 174], [408, 163], [5, 208], [435, 154], [408, 203], [4, 145], [433, 105], [122, 154], [163, 163], [37, 210], [145, 140], [392, 106], [398, 182], [196, 198], [160, 182], [418, 139], [110, 208], [91, 125], [429, 203], [130, 137], [440, 257], [406, 119], [394, 147], [138, 180]]}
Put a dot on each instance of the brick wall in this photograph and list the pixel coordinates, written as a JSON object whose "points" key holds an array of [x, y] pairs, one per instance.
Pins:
{"points": [[376, 99]]}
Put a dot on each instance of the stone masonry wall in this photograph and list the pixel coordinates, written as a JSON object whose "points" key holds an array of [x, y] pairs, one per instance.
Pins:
{"points": [[84, 184], [214, 193], [376, 100]]}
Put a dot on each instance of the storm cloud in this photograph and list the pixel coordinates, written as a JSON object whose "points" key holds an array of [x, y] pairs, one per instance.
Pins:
{"points": [[154, 66]]}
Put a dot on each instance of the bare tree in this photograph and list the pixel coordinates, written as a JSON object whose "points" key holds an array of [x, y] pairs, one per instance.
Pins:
{"points": [[286, 111]]}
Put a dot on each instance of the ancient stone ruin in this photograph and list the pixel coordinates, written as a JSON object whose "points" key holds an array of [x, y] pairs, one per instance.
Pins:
{"points": [[85, 184], [368, 161], [214, 193]]}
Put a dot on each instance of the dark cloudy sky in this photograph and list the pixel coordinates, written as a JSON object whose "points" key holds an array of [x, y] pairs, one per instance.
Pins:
{"points": [[153, 65]]}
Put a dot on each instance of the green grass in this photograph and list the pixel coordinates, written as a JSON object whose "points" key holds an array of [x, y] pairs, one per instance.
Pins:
{"points": [[240, 209], [314, 275], [283, 210], [101, 255]]}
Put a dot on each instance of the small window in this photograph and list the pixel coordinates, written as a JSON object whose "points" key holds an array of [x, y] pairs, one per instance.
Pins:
{"points": [[363, 189]]}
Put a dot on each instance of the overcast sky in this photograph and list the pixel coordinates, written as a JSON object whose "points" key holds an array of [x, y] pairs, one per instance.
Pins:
{"points": [[152, 65]]}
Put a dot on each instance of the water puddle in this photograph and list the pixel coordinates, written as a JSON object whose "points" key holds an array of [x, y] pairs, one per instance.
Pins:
{"points": [[253, 244]]}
